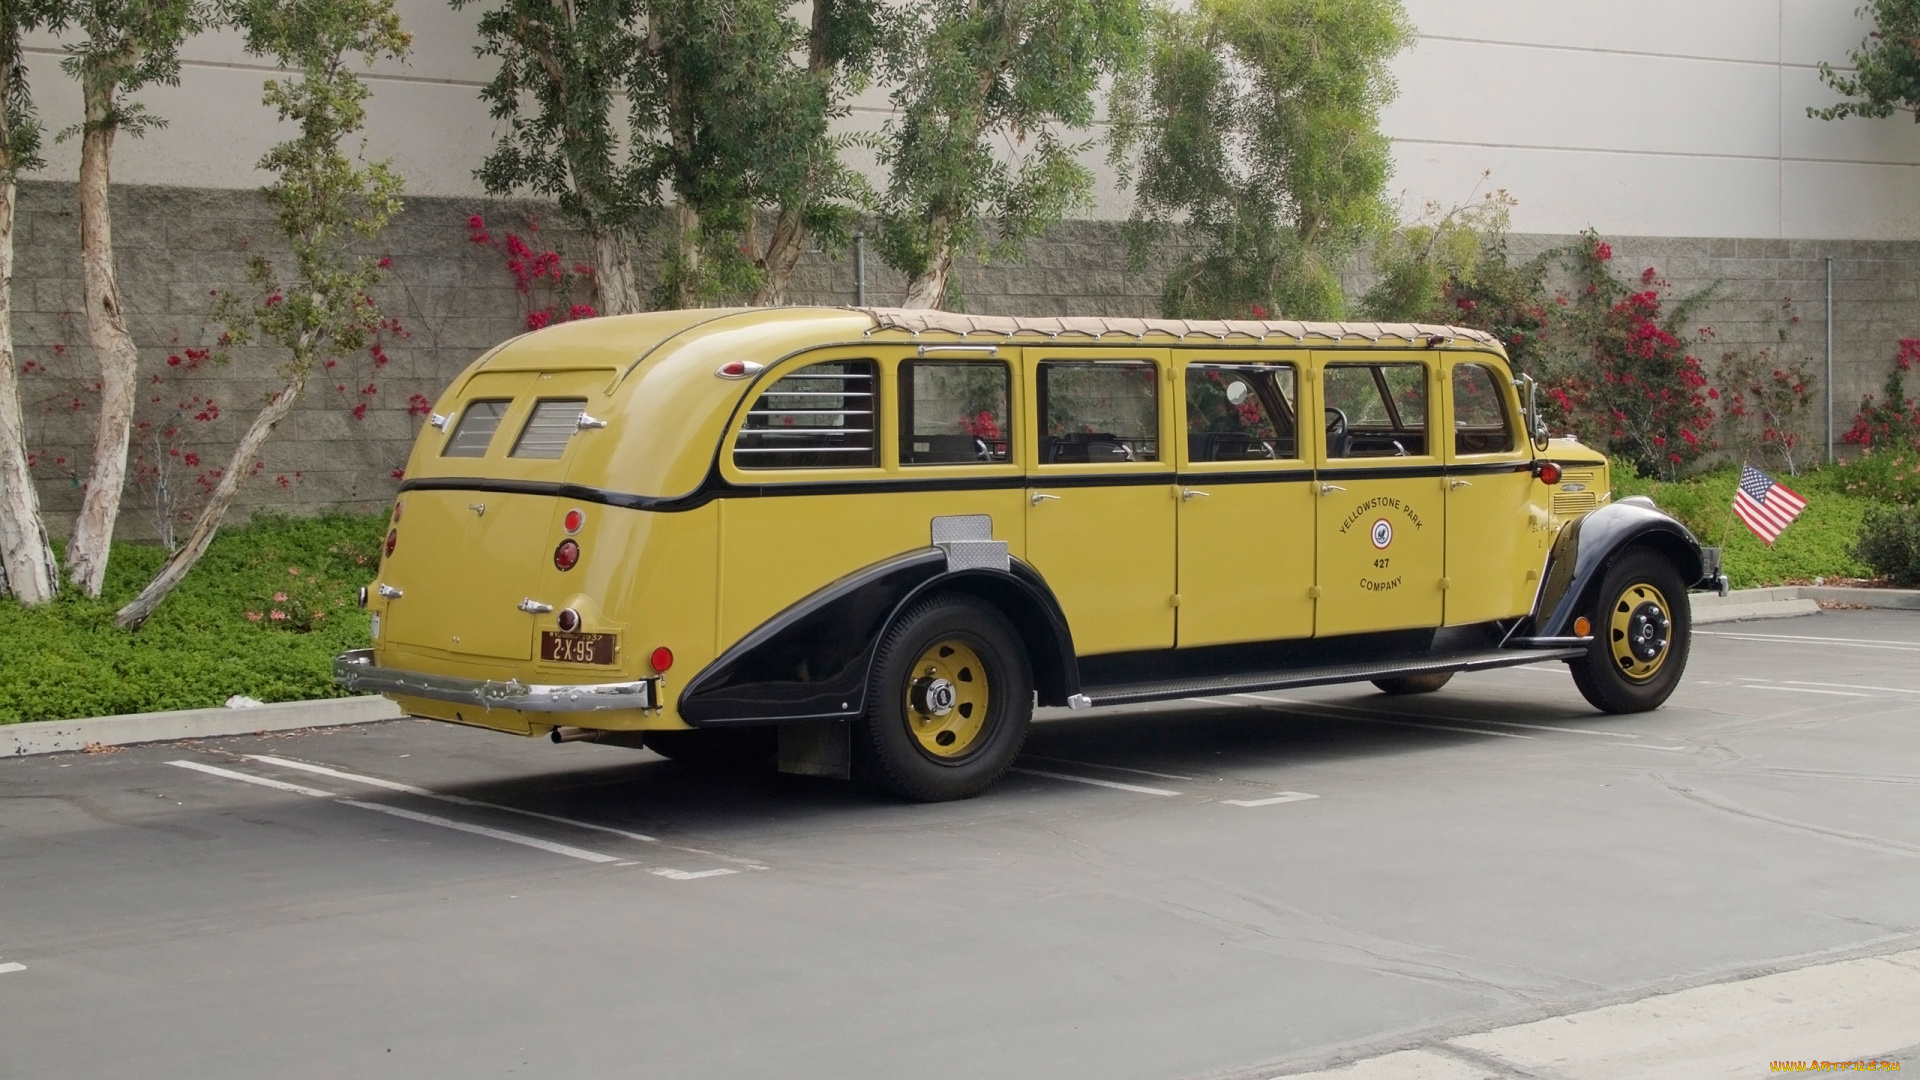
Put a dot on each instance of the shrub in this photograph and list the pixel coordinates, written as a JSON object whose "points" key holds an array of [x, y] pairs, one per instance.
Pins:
{"points": [[68, 659], [1890, 543]]}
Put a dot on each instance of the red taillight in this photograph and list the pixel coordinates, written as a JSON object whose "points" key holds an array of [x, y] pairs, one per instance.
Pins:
{"points": [[662, 659], [393, 537], [568, 620], [1549, 472], [566, 555], [398, 509], [573, 521]]}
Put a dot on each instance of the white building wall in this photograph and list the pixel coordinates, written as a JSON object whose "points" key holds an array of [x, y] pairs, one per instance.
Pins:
{"points": [[1635, 117]]}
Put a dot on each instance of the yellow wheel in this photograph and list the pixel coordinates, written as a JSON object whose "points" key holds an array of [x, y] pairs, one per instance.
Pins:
{"points": [[1640, 630], [950, 701], [948, 698], [1640, 639]]}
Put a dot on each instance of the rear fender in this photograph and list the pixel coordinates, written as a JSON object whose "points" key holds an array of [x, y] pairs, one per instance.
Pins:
{"points": [[813, 660], [1587, 546]]}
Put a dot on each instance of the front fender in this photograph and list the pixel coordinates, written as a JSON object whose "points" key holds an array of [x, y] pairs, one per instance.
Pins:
{"points": [[1587, 546], [812, 660]]}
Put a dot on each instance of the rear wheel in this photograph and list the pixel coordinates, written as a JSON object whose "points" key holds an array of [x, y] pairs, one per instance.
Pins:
{"points": [[951, 700], [1414, 684], [1642, 631], [716, 746]]}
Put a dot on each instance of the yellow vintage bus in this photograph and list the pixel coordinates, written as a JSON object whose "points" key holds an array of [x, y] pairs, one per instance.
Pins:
{"points": [[872, 541]]}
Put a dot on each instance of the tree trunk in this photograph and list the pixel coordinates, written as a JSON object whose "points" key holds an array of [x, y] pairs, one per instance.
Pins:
{"points": [[685, 291], [113, 349], [783, 254], [136, 612], [613, 281], [26, 558], [928, 288]]}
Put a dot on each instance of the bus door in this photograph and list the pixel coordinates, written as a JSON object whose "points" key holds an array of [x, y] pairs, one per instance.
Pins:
{"points": [[1100, 496], [1382, 491], [1247, 504], [1496, 537]]}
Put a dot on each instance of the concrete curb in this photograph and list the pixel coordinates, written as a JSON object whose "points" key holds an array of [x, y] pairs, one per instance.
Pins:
{"points": [[63, 736], [1787, 601]]}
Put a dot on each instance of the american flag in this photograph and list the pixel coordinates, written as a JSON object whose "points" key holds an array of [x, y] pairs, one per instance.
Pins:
{"points": [[1766, 505]]}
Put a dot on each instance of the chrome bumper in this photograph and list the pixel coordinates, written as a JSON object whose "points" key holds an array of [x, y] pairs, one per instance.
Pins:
{"points": [[356, 671]]}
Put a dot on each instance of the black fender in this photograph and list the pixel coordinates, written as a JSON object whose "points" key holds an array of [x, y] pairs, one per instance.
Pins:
{"points": [[813, 660], [1587, 546]]}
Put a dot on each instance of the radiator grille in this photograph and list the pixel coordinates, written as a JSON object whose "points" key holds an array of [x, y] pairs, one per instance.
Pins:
{"points": [[1577, 502]]}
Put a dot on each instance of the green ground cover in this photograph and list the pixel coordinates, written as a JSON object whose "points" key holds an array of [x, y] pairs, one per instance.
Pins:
{"points": [[1819, 544], [215, 637]]}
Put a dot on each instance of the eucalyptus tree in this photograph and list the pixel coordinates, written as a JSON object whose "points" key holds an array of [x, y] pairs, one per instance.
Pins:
{"points": [[127, 46], [1886, 67], [1254, 126], [27, 569], [989, 97], [560, 89], [328, 205]]}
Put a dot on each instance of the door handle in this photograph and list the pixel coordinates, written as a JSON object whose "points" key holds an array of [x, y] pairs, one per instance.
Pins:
{"points": [[1328, 489], [1455, 485], [1038, 497], [1187, 494]]}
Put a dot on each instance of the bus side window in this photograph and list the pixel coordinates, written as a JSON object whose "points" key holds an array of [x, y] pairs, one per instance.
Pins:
{"points": [[1096, 412], [1375, 410], [821, 416], [1481, 423], [955, 413], [1240, 413]]}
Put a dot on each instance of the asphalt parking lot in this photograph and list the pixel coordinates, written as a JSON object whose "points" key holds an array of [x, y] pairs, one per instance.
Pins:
{"points": [[1244, 887]]}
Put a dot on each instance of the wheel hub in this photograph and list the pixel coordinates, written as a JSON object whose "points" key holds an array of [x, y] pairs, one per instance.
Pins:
{"points": [[947, 700], [1647, 631], [1640, 631]]}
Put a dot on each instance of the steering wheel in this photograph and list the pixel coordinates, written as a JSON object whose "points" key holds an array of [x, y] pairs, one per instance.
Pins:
{"points": [[1336, 423]]}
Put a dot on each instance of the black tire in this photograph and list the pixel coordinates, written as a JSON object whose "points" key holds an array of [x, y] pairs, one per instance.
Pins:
{"points": [[1414, 684], [905, 744], [717, 747], [1640, 618]]}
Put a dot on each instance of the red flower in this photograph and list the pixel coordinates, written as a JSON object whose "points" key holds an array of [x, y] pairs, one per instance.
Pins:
{"points": [[581, 311], [360, 411], [538, 320], [1603, 251], [385, 263]]}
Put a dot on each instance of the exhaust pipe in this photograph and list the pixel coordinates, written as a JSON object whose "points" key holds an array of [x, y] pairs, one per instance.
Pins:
{"points": [[630, 739]]}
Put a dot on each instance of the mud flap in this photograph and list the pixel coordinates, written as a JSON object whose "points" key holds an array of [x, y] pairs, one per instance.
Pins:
{"points": [[817, 748]]}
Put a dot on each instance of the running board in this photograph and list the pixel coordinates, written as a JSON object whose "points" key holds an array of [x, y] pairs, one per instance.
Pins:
{"points": [[1171, 689]]}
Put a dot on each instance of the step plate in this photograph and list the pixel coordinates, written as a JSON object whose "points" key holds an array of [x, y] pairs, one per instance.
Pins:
{"points": [[1173, 689]]}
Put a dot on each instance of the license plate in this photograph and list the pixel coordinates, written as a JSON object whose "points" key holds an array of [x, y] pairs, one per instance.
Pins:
{"points": [[559, 648]]}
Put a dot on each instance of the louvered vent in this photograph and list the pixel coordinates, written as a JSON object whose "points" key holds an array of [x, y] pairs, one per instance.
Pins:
{"points": [[1577, 502], [475, 430], [821, 416], [553, 423]]}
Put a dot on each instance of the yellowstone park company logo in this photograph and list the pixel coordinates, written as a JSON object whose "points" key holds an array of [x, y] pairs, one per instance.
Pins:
{"points": [[1382, 533]]}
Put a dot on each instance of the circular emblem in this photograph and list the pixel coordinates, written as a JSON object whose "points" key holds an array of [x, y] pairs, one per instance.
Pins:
{"points": [[1382, 533]]}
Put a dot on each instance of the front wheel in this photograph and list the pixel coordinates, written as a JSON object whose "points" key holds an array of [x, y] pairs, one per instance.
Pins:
{"points": [[1642, 630], [950, 703]]}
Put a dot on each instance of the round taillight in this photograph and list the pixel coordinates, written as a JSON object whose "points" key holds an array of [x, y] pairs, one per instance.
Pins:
{"points": [[393, 538], [398, 509], [733, 369], [566, 555], [573, 521], [662, 659], [1549, 473], [569, 620]]}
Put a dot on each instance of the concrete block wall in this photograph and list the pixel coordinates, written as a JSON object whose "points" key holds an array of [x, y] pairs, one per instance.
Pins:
{"points": [[176, 245]]}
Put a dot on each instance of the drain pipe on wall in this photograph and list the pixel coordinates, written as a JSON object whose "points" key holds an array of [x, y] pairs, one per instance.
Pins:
{"points": [[860, 291], [1829, 359]]}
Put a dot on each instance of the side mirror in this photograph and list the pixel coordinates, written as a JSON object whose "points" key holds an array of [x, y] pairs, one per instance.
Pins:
{"points": [[1536, 424]]}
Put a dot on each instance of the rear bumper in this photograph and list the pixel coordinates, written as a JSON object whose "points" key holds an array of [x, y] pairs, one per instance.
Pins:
{"points": [[356, 670]]}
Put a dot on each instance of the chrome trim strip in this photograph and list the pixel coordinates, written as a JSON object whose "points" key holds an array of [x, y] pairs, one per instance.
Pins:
{"points": [[355, 670]]}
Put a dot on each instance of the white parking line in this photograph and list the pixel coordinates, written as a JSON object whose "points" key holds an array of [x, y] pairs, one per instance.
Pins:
{"points": [[426, 793], [1097, 765], [687, 875], [1787, 639], [428, 819], [1804, 690], [1856, 686], [1115, 784], [9, 968], [1283, 797]]}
